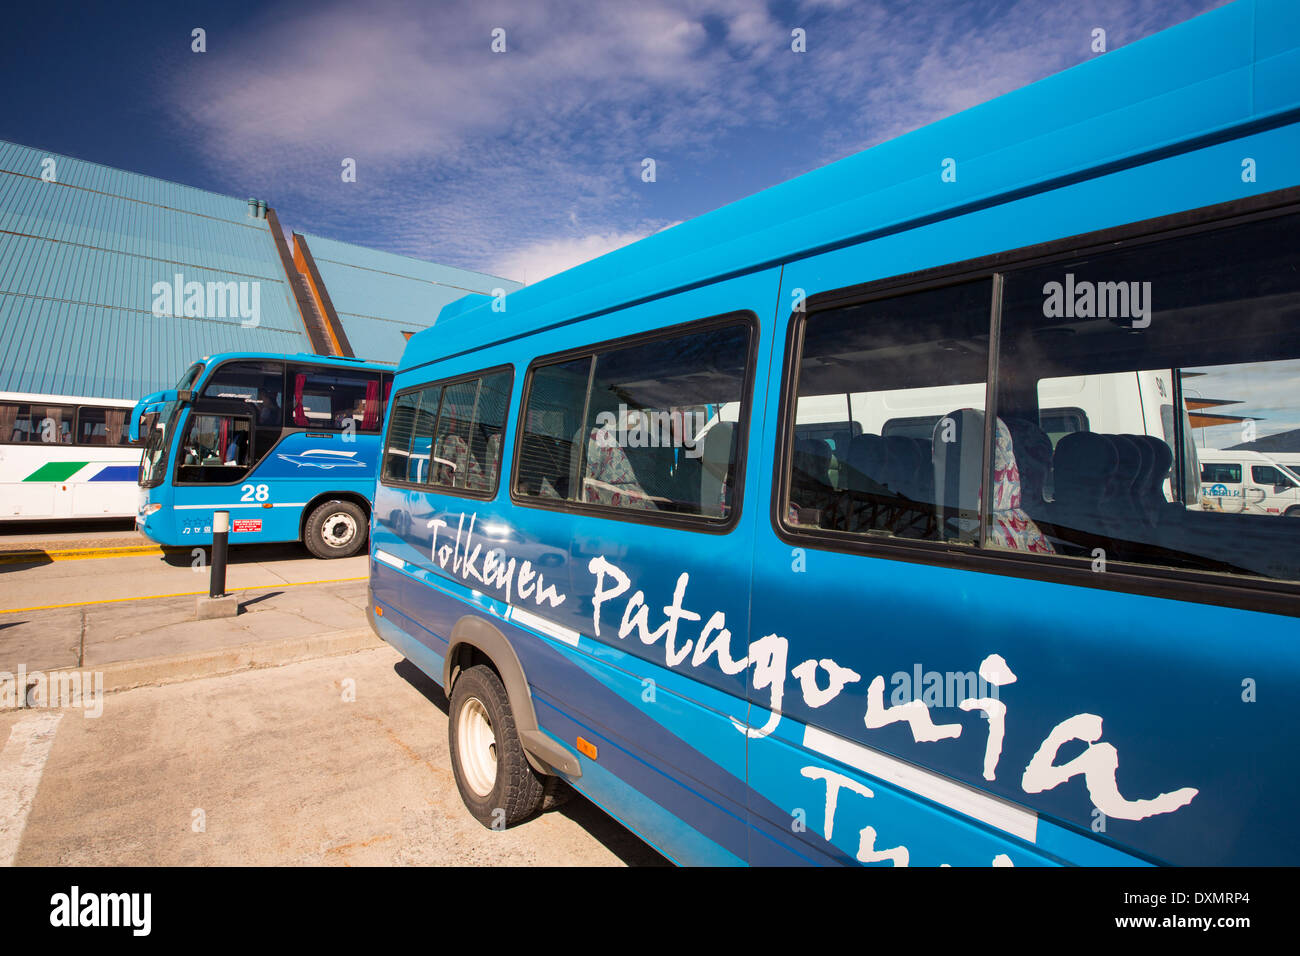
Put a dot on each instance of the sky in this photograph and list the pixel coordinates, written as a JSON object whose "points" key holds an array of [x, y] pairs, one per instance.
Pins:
{"points": [[524, 162]]}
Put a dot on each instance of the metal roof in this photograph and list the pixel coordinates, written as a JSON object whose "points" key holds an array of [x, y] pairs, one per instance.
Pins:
{"points": [[79, 259], [379, 295], [1225, 70]]}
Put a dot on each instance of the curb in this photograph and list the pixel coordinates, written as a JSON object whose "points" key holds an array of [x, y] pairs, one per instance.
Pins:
{"points": [[37, 555], [157, 671]]}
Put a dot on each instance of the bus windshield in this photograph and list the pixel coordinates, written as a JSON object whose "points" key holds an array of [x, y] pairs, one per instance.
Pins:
{"points": [[191, 376], [153, 463]]}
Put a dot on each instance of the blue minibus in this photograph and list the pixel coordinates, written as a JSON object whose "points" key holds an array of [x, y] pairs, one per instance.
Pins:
{"points": [[861, 520], [288, 444]]}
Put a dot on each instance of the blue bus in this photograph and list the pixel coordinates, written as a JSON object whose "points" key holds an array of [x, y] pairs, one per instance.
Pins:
{"points": [[860, 521], [288, 444]]}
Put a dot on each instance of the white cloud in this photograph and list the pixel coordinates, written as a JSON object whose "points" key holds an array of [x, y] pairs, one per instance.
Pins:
{"points": [[548, 257], [483, 160]]}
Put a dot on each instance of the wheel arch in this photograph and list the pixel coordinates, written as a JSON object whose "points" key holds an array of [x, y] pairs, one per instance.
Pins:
{"points": [[324, 496], [474, 639]]}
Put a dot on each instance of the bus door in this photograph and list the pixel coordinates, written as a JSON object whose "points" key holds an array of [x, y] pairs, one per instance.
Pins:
{"points": [[877, 685], [213, 455], [660, 539], [244, 402]]}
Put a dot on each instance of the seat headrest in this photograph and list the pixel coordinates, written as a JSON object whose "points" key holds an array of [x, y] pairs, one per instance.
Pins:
{"points": [[868, 454], [715, 449], [1084, 455]]}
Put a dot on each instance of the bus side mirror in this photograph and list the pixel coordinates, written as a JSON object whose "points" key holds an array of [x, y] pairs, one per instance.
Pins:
{"points": [[185, 395]]}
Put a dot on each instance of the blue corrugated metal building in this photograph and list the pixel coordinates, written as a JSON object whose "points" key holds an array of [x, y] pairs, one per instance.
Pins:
{"points": [[111, 282]]}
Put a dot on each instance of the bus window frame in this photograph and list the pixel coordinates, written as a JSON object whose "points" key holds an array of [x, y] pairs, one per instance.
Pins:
{"points": [[287, 411], [75, 411], [1201, 587], [201, 399], [668, 519], [442, 384], [182, 433], [104, 408]]}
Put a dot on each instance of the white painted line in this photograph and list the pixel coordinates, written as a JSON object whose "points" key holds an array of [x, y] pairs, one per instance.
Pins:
{"points": [[967, 800], [21, 764], [391, 560], [277, 504], [539, 623]]}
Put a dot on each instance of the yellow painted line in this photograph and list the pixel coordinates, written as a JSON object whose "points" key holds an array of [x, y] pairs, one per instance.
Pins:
{"points": [[75, 554], [148, 597]]}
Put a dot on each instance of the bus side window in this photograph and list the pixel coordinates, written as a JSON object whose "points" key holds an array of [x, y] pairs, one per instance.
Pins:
{"points": [[907, 374], [1179, 355], [551, 427], [449, 436], [102, 426], [406, 458], [260, 385], [326, 398], [655, 437], [48, 424], [13, 423]]}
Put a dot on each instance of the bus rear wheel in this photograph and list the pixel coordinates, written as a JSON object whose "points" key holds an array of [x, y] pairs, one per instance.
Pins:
{"points": [[336, 529], [496, 782]]}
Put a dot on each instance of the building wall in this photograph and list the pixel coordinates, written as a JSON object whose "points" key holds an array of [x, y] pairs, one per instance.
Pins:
{"points": [[79, 259]]}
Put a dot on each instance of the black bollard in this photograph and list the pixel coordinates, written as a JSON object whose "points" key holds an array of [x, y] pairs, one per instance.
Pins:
{"points": [[220, 531]]}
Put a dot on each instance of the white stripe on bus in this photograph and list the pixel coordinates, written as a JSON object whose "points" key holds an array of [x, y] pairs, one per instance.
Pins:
{"points": [[513, 613], [262, 504], [964, 799], [539, 623]]}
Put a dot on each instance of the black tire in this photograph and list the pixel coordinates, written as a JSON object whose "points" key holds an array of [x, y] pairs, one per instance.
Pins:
{"points": [[1292, 512], [336, 529], [517, 791]]}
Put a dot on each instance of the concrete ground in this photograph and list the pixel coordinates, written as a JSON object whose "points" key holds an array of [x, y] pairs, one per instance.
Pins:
{"points": [[278, 766], [288, 734], [42, 584]]}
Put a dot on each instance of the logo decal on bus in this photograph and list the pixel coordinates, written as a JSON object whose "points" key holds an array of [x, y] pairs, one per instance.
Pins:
{"points": [[819, 680], [325, 459]]}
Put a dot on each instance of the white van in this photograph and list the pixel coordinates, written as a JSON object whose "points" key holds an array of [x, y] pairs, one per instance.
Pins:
{"points": [[1247, 482]]}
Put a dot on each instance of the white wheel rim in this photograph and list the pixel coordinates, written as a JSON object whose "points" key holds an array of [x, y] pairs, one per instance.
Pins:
{"points": [[338, 529], [477, 745]]}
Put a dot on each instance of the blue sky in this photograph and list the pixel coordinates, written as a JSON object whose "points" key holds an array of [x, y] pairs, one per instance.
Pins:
{"points": [[525, 162]]}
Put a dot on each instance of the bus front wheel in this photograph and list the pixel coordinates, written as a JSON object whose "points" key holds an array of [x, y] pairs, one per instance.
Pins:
{"points": [[496, 782], [336, 529]]}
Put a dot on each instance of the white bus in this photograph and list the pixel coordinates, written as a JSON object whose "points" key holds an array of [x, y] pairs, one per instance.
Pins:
{"points": [[64, 456]]}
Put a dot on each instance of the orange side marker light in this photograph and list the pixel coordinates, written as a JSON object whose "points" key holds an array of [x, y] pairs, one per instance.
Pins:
{"points": [[586, 748]]}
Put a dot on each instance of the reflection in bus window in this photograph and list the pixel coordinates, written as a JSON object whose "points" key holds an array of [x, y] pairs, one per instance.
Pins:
{"points": [[900, 384], [1180, 396]]}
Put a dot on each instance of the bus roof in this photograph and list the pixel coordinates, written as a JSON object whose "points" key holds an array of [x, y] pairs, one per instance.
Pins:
{"points": [[1231, 67], [299, 357]]}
